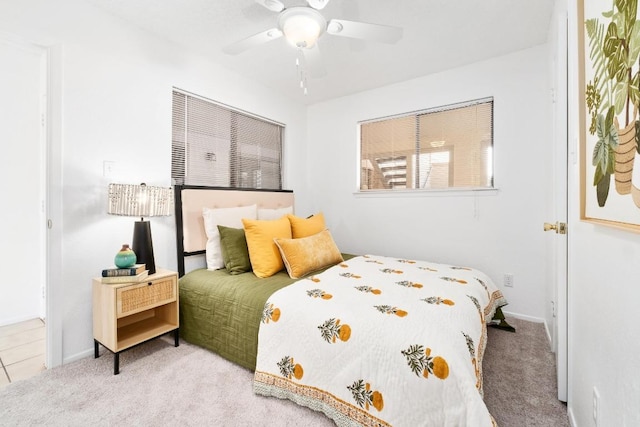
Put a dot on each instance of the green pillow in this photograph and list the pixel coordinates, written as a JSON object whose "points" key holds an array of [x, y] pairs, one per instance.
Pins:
{"points": [[235, 253]]}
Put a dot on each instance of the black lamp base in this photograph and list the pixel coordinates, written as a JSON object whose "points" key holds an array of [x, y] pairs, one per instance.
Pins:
{"points": [[143, 246]]}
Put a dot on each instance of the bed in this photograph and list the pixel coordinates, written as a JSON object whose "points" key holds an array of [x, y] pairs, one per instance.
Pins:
{"points": [[368, 340]]}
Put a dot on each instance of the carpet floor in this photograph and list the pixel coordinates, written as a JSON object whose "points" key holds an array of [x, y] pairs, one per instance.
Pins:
{"points": [[160, 385], [520, 382]]}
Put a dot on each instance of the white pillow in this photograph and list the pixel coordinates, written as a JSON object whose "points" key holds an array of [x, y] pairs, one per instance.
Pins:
{"points": [[270, 214], [228, 217]]}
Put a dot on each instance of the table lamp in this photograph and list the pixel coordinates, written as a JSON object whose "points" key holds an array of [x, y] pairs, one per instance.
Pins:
{"points": [[141, 201]]}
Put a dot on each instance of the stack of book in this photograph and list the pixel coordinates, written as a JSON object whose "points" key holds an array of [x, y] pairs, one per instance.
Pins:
{"points": [[133, 274]]}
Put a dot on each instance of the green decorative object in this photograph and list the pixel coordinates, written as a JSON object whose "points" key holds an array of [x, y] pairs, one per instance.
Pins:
{"points": [[125, 258]]}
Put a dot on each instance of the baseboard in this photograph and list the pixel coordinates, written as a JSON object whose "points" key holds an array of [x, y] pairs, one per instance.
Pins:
{"points": [[546, 328], [572, 419], [523, 317], [530, 319], [5, 322], [78, 356]]}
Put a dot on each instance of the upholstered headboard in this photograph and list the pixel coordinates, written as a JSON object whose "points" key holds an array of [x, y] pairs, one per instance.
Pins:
{"points": [[191, 238]]}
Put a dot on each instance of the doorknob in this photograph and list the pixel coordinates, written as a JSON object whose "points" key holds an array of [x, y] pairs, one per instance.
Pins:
{"points": [[559, 227]]}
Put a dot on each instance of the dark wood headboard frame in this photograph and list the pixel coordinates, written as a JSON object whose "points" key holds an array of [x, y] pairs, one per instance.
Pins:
{"points": [[180, 222]]}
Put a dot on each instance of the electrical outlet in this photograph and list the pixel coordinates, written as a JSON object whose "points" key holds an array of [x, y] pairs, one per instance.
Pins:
{"points": [[508, 280], [596, 406]]}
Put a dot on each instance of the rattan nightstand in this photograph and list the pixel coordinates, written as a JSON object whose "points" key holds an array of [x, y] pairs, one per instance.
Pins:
{"points": [[128, 314]]}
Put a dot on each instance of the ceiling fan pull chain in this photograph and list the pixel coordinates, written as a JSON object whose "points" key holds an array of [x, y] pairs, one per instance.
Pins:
{"points": [[301, 68]]}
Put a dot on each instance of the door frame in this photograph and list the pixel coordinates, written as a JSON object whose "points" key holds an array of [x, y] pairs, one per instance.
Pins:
{"points": [[51, 188], [559, 255], [53, 206]]}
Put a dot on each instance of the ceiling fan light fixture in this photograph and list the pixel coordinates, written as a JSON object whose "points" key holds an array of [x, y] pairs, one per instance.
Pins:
{"points": [[302, 26]]}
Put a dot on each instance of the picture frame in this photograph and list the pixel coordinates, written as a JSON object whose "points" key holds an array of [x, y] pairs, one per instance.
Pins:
{"points": [[609, 112]]}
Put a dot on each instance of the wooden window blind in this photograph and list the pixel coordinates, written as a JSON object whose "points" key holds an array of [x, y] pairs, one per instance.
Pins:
{"points": [[216, 145], [448, 147]]}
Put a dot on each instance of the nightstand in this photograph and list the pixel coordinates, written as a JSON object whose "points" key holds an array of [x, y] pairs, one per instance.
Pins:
{"points": [[129, 314]]}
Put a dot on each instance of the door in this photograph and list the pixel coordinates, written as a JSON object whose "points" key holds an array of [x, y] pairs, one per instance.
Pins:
{"points": [[23, 177], [557, 240]]}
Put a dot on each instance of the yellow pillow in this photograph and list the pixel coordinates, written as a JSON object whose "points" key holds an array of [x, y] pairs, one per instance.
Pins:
{"points": [[263, 252], [304, 227], [308, 254]]}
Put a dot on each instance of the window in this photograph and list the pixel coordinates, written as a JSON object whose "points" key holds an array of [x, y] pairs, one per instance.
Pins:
{"points": [[442, 148], [215, 145]]}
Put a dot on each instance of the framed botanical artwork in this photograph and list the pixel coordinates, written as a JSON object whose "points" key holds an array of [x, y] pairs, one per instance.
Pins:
{"points": [[609, 53]]}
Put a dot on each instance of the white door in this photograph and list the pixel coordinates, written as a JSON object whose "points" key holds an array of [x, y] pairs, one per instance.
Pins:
{"points": [[557, 244], [23, 177]]}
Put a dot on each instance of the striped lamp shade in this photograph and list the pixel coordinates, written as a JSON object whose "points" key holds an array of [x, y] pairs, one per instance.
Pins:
{"points": [[140, 200]]}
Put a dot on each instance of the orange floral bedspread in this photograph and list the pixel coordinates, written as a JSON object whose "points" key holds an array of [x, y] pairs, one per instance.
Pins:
{"points": [[379, 341]]}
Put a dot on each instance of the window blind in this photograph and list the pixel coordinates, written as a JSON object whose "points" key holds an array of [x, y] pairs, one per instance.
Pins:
{"points": [[215, 145], [440, 148]]}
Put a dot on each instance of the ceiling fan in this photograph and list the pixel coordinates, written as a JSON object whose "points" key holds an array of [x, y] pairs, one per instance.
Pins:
{"points": [[303, 25]]}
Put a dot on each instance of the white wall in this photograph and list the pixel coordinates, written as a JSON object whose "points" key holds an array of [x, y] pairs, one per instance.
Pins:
{"points": [[604, 319], [21, 175], [116, 106], [498, 232]]}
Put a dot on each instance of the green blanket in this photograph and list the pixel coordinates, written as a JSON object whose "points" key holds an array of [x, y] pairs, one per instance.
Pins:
{"points": [[222, 312]]}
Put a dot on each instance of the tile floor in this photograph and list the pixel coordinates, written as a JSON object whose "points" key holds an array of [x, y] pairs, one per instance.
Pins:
{"points": [[22, 348]]}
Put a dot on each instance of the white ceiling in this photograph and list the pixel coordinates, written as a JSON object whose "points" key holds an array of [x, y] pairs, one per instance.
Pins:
{"points": [[437, 35]]}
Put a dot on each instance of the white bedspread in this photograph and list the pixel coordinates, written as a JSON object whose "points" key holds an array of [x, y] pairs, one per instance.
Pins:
{"points": [[381, 341]]}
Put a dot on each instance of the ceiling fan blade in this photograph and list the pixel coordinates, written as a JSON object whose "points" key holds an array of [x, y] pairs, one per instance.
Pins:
{"points": [[365, 31], [318, 4], [313, 59], [252, 41], [272, 5]]}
